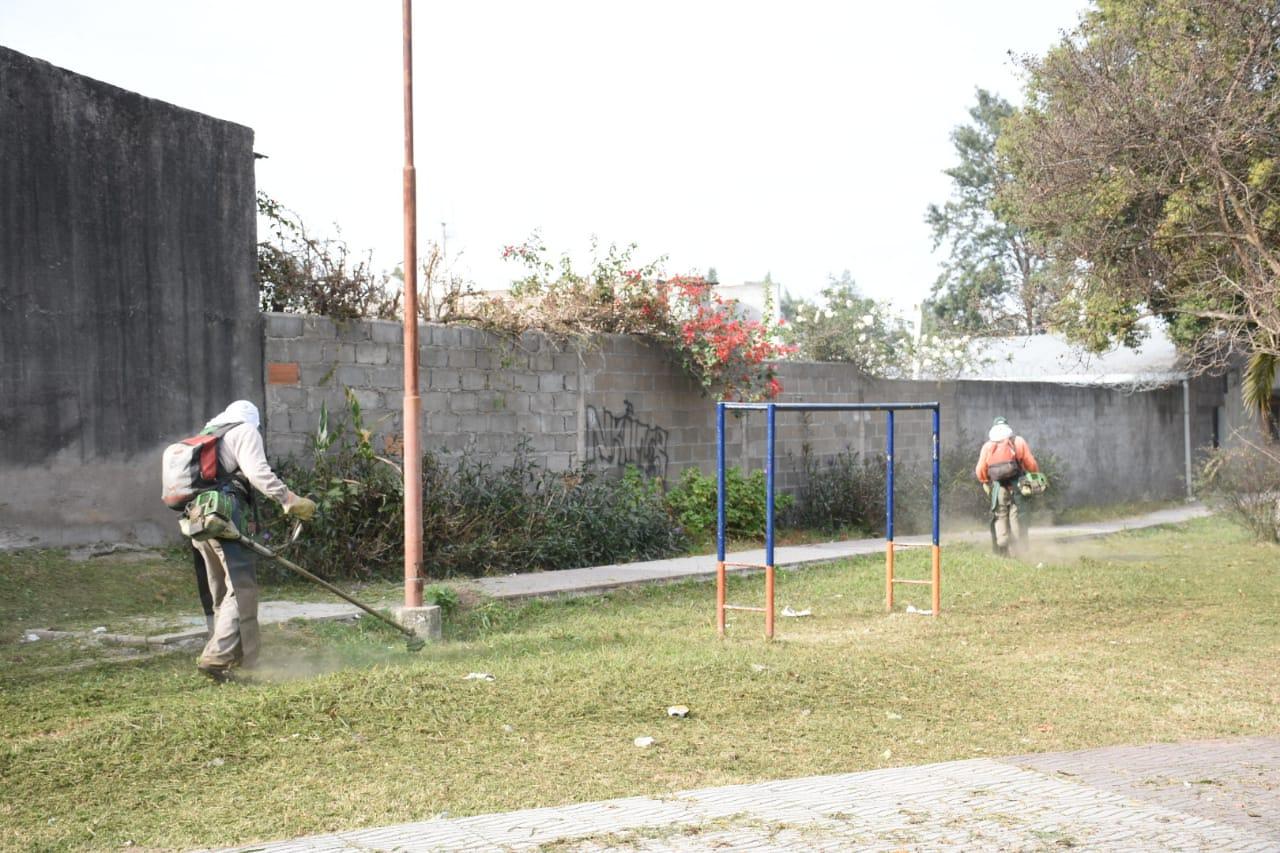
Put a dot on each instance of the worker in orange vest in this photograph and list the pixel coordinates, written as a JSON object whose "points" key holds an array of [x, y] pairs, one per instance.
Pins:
{"points": [[1004, 459]]}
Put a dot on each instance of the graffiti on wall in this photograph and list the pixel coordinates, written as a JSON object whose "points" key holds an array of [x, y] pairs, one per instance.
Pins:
{"points": [[619, 439]]}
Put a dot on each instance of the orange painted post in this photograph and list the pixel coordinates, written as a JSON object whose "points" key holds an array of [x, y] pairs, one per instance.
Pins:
{"points": [[937, 579], [720, 584], [412, 401], [888, 576], [768, 602]]}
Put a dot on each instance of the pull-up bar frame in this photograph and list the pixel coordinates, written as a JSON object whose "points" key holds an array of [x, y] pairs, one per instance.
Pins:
{"points": [[771, 410]]}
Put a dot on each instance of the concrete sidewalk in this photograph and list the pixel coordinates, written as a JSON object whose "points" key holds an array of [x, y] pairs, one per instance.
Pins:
{"points": [[602, 578], [597, 579], [1209, 795]]}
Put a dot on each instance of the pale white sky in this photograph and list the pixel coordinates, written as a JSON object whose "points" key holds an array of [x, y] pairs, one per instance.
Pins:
{"points": [[798, 138]]}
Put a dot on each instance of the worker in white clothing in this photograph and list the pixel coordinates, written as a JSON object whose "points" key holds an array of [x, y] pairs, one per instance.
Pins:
{"points": [[242, 468]]}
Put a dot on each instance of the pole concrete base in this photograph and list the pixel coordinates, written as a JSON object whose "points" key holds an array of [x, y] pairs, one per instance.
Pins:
{"points": [[424, 622]]}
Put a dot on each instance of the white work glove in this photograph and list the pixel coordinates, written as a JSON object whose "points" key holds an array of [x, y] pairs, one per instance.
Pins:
{"points": [[299, 507], [986, 487]]}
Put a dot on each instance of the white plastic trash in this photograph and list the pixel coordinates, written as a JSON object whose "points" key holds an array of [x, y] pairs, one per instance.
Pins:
{"points": [[643, 742]]}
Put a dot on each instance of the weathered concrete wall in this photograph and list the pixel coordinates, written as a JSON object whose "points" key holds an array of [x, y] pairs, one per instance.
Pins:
{"points": [[624, 402], [128, 310]]}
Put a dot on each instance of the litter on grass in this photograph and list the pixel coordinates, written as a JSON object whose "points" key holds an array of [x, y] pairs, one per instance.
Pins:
{"points": [[101, 629], [478, 676], [911, 608], [796, 614], [643, 742], [677, 711], [30, 637]]}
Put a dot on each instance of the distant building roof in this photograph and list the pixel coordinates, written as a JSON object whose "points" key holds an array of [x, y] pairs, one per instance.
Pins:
{"points": [[1050, 358]]}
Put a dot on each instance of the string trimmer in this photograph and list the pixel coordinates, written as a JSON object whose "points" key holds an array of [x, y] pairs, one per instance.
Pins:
{"points": [[207, 518]]}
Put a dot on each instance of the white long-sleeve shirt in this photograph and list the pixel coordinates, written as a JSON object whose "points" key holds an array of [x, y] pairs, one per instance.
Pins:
{"points": [[241, 450]]}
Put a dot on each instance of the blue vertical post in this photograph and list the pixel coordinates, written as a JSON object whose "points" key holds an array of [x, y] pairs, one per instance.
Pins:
{"points": [[888, 512], [770, 468], [720, 575], [720, 481], [936, 575], [888, 476], [937, 460]]}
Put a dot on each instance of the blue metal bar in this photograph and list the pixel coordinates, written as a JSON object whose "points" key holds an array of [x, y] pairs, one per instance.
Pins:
{"points": [[888, 476], [832, 407], [770, 465], [720, 407], [937, 453]]}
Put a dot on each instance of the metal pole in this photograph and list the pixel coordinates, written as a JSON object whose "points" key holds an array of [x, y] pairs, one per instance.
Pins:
{"points": [[720, 577], [412, 402], [888, 511], [770, 466], [1186, 437], [936, 575]]}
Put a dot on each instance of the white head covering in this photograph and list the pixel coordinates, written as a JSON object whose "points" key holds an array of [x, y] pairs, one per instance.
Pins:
{"points": [[241, 411], [1000, 432]]}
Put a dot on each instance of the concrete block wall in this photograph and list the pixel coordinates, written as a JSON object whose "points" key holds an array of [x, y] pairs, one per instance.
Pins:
{"points": [[623, 401]]}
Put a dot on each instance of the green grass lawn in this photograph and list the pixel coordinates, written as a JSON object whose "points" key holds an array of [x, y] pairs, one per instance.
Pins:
{"points": [[1161, 635]]}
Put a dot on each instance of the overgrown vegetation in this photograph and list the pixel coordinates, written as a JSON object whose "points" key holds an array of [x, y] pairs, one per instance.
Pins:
{"points": [[693, 502], [845, 492], [478, 518], [872, 336], [1164, 635], [1244, 483], [715, 341], [304, 274]]}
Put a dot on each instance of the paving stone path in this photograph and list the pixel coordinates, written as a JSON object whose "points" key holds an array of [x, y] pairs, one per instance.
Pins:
{"points": [[1221, 795]]}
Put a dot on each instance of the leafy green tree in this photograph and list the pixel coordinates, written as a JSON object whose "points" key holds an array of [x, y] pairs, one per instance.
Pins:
{"points": [[1148, 157], [994, 280]]}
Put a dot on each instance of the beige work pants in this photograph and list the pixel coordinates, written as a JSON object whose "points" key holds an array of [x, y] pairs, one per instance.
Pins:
{"points": [[234, 585], [1010, 529]]}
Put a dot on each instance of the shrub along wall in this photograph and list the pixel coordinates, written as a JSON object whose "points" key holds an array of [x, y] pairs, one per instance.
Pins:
{"points": [[623, 402]]}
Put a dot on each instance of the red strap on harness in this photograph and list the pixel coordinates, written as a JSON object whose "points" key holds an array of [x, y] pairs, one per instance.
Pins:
{"points": [[208, 445]]}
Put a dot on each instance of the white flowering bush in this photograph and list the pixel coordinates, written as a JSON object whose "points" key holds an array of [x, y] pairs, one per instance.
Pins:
{"points": [[871, 335]]}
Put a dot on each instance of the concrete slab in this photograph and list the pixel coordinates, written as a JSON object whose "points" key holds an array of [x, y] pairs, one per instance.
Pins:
{"points": [[599, 579], [1094, 799]]}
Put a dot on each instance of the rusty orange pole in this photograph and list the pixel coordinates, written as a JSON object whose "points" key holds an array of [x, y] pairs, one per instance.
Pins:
{"points": [[720, 585], [937, 579], [888, 576], [768, 602], [412, 402]]}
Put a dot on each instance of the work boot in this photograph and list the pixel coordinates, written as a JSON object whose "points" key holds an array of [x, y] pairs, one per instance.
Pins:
{"points": [[219, 674]]}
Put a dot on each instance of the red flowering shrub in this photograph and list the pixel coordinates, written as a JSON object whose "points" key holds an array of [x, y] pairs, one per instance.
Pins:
{"points": [[717, 344], [713, 338]]}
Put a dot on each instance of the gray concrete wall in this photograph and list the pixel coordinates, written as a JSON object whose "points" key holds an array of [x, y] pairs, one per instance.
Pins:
{"points": [[128, 310], [625, 402]]}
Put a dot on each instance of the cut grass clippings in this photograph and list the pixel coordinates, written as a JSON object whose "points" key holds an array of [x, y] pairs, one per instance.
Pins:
{"points": [[1162, 635]]}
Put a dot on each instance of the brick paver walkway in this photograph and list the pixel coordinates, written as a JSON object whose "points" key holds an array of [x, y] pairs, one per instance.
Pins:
{"points": [[1207, 796]]}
